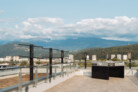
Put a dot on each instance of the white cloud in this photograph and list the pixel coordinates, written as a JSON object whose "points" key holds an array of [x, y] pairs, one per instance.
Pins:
{"points": [[115, 38], [2, 11], [43, 21], [118, 28]]}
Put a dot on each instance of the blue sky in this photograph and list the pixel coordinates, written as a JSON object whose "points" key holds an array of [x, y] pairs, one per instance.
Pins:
{"points": [[21, 16], [68, 9]]}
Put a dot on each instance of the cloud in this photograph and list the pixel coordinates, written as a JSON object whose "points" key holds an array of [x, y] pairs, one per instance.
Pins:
{"points": [[43, 21], [116, 38], [117, 28], [2, 11]]}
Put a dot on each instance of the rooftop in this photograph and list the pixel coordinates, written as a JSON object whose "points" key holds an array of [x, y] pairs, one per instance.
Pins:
{"points": [[87, 84]]}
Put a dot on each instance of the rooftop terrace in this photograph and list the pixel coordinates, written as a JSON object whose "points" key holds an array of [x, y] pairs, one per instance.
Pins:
{"points": [[87, 84], [69, 77]]}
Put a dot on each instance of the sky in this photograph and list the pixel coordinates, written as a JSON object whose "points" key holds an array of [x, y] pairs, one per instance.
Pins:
{"points": [[63, 19]]}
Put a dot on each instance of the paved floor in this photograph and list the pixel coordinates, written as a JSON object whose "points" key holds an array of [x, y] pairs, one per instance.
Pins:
{"points": [[87, 84]]}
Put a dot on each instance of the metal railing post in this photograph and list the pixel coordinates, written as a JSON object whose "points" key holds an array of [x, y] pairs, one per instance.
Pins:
{"points": [[31, 61], [70, 68], [55, 73], [47, 74], [50, 63], [129, 63], [36, 77], [85, 63], [70, 65], [20, 82], [62, 70], [62, 61], [66, 69], [62, 56], [26, 89]]}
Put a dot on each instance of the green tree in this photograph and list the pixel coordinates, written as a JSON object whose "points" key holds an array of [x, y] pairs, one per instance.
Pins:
{"points": [[115, 59], [23, 63], [38, 62]]}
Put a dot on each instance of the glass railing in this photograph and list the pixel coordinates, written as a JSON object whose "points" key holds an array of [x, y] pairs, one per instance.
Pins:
{"points": [[15, 79]]}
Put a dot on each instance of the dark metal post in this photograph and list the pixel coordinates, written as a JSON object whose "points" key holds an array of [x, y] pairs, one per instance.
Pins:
{"points": [[31, 61], [62, 56], [62, 61], [129, 57], [50, 61], [129, 63], [85, 61]]}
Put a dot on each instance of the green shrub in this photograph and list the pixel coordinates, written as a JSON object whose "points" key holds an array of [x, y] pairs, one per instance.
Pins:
{"points": [[115, 59], [38, 62], [23, 63]]}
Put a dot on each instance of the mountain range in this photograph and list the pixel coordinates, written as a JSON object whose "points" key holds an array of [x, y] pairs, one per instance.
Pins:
{"points": [[12, 48], [75, 44]]}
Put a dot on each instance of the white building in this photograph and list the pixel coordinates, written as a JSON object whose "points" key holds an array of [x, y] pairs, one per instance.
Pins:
{"points": [[125, 57], [71, 58], [112, 56], [43, 60], [8, 58], [87, 57], [119, 56], [35, 59], [15, 58], [94, 58], [2, 59]]}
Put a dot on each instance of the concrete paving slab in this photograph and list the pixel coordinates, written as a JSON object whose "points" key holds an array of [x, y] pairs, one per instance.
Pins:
{"points": [[87, 84]]}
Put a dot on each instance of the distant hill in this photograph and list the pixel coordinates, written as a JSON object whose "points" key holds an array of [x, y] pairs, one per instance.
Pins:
{"points": [[102, 52], [95, 44], [13, 49], [78, 43]]}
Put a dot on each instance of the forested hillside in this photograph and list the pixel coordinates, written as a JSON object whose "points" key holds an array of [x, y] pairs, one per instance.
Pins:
{"points": [[14, 49], [102, 52]]}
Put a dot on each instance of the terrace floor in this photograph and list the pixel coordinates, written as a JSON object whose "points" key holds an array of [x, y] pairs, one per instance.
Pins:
{"points": [[87, 84]]}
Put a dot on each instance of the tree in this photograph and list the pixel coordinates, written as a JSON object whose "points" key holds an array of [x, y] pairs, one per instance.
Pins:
{"points": [[12, 63], [115, 59], [38, 62], [23, 63]]}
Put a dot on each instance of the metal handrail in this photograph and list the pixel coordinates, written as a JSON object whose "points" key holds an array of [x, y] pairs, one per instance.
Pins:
{"points": [[15, 87]]}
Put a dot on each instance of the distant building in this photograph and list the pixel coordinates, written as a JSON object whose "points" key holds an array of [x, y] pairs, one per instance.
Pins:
{"points": [[35, 59], [2, 59], [8, 58], [23, 59], [119, 56], [87, 57], [71, 58], [65, 59], [125, 57], [15, 58], [43, 60], [129, 55], [112, 56], [94, 58]]}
